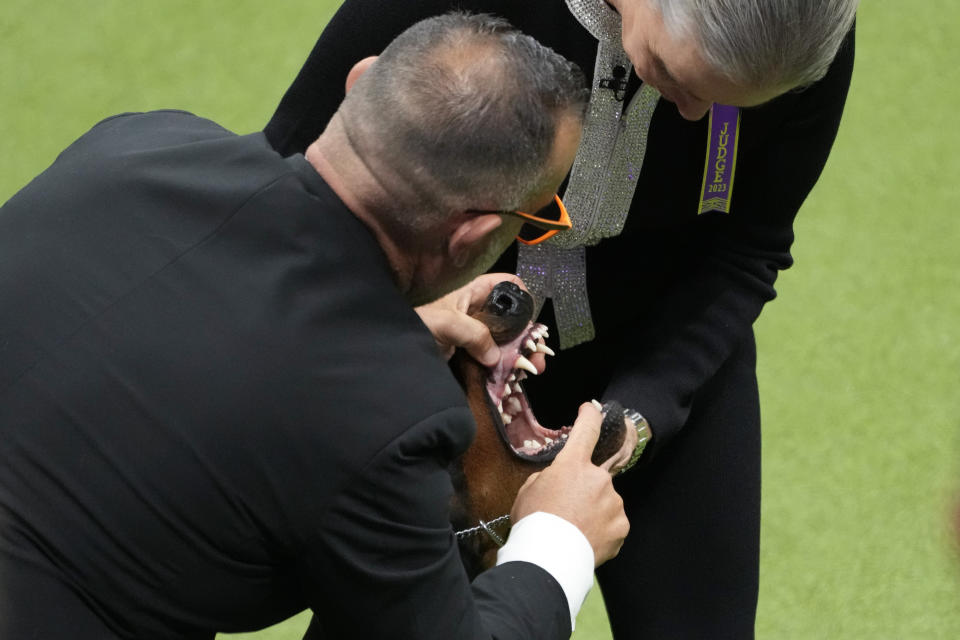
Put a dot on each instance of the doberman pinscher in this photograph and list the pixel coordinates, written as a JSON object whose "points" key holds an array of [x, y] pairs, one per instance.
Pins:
{"points": [[510, 444]]}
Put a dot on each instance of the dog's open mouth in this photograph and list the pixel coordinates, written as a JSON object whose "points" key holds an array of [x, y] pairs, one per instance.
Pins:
{"points": [[508, 313], [518, 426]]}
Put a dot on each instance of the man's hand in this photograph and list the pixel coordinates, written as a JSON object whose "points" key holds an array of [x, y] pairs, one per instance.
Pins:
{"points": [[451, 325], [578, 491]]}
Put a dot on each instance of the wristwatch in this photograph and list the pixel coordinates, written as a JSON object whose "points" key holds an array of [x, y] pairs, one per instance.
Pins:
{"points": [[643, 435]]}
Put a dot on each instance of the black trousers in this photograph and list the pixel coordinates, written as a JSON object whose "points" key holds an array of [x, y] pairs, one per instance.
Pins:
{"points": [[690, 566]]}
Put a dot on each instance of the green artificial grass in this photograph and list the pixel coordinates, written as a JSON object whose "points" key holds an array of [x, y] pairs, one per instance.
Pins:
{"points": [[859, 357]]}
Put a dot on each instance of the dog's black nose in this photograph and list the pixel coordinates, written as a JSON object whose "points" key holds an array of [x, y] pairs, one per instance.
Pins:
{"points": [[507, 311], [507, 298]]}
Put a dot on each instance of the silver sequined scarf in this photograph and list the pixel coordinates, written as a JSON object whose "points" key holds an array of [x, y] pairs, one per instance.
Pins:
{"points": [[602, 181]]}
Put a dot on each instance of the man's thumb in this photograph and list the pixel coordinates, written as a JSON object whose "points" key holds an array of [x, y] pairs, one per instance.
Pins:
{"points": [[585, 433]]}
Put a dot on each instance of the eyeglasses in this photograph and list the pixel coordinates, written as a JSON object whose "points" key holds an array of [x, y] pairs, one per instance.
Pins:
{"points": [[544, 225]]}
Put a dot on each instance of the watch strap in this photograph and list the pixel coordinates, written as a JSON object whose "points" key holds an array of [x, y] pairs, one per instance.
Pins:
{"points": [[643, 435]]}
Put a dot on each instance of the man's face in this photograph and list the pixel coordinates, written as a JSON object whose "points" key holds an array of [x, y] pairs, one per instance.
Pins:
{"points": [[676, 67], [486, 252], [565, 145]]}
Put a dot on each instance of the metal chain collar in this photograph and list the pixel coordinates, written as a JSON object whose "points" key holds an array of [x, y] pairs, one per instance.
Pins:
{"points": [[486, 527]]}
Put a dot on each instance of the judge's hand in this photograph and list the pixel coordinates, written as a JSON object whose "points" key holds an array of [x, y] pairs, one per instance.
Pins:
{"points": [[578, 491], [451, 325]]}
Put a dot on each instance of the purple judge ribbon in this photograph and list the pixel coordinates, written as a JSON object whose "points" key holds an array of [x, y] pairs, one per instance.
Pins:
{"points": [[721, 159]]}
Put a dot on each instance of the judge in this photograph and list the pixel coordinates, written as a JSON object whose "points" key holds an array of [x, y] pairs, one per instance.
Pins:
{"points": [[709, 123]]}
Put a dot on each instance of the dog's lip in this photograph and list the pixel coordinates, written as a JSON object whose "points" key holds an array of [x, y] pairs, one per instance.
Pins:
{"points": [[527, 438], [538, 452]]}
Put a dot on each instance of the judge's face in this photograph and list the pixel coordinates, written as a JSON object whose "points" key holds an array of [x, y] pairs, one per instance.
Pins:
{"points": [[676, 67]]}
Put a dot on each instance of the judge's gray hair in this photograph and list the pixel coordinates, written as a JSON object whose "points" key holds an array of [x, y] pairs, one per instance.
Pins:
{"points": [[763, 43], [464, 109]]}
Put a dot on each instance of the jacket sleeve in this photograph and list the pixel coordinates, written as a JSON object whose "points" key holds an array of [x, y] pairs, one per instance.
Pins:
{"points": [[710, 307], [385, 563]]}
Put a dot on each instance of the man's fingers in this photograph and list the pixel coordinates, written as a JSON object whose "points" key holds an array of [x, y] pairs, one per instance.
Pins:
{"points": [[585, 433], [460, 330], [609, 464], [452, 327]]}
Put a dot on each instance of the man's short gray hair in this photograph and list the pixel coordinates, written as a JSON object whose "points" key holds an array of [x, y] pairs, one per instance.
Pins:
{"points": [[464, 109], [763, 43]]}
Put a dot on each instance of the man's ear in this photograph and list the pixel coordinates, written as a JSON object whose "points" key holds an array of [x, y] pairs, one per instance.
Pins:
{"points": [[469, 234], [358, 70]]}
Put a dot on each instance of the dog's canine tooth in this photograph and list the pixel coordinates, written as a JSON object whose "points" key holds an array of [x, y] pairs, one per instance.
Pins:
{"points": [[531, 346], [542, 348], [526, 365]]}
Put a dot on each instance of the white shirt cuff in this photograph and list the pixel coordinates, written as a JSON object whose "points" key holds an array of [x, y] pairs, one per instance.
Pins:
{"points": [[559, 548]]}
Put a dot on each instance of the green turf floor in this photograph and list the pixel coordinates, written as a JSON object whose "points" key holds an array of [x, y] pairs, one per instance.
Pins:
{"points": [[859, 356]]}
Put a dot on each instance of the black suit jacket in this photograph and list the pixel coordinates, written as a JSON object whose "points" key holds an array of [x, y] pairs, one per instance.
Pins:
{"points": [[216, 409]]}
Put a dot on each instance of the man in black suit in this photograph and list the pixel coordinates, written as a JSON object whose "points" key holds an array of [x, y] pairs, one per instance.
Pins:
{"points": [[217, 404]]}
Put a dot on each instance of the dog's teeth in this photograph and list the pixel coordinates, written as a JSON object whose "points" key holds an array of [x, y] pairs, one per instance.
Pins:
{"points": [[531, 346], [532, 444], [513, 405], [521, 375], [542, 348], [506, 418], [526, 365], [500, 406], [512, 377], [563, 436], [535, 334], [547, 440], [507, 390], [517, 388]]}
